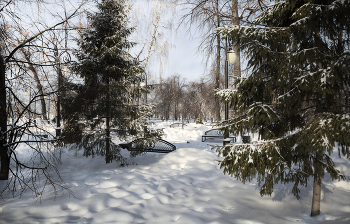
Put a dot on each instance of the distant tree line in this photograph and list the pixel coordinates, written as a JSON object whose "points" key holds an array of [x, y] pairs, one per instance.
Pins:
{"points": [[179, 100]]}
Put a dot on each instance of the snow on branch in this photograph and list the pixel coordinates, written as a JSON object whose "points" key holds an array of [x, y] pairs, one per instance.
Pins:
{"points": [[228, 30], [277, 6], [245, 161], [287, 94], [337, 124], [271, 113], [226, 94], [314, 9]]}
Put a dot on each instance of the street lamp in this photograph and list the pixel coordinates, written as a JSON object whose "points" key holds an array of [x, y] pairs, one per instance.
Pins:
{"points": [[229, 59], [143, 84], [65, 56], [65, 70], [231, 56], [47, 110]]}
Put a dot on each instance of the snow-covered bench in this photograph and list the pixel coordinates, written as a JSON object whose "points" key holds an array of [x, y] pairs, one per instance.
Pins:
{"points": [[149, 145], [213, 124], [216, 133], [174, 125], [39, 135]]}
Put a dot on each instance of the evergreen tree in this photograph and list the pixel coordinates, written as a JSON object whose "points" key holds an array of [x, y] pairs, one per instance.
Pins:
{"points": [[104, 100], [296, 97], [199, 120]]}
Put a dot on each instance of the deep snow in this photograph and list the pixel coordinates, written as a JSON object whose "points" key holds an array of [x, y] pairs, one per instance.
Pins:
{"points": [[184, 186]]}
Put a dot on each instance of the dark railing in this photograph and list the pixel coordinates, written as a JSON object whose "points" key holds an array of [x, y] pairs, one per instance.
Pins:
{"points": [[216, 133], [149, 145]]}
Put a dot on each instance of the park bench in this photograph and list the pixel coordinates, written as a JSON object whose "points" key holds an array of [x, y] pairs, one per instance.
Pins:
{"points": [[149, 145], [176, 125], [212, 124], [216, 133], [38, 135]]}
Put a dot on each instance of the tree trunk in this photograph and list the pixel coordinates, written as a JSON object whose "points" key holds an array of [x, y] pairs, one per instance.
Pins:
{"points": [[58, 105], [217, 75], [108, 153], [38, 84], [235, 21], [316, 195], [5, 160], [155, 24]]}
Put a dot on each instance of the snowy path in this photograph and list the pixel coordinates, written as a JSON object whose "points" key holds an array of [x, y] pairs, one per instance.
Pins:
{"points": [[185, 186]]}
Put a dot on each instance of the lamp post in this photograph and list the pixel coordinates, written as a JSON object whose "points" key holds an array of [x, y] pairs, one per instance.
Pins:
{"points": [[144, 85], [47, 114], [58, 119], [229, 59], [58, 129], [49, 109], [66, 59]]}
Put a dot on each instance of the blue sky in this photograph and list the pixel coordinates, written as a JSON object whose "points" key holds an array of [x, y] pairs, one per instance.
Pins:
{"points": [[184, 58]]}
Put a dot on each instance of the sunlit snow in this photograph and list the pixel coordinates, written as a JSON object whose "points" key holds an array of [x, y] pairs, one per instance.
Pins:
{"points": [[184, 186]]}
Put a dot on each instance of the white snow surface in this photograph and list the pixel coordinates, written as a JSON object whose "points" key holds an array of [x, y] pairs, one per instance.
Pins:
{"points": [[184, 186]]}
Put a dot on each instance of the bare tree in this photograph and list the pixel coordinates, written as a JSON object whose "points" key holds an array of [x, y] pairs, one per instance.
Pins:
{"points": [[39, 85], [206, 15], [154, 26], [163, 98], [177, 99], [21, 173]]}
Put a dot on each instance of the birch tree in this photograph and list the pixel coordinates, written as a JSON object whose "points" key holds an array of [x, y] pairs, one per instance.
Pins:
{"points": [[206, 16], [154, 26]]}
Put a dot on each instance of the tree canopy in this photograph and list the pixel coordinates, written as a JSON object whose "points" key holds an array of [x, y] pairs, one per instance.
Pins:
{"points": [[105, 98], [296, 97]]}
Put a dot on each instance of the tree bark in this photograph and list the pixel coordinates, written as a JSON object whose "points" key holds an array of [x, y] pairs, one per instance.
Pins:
{"points": [[316, 195], [58, 103], [235, 21], [217, 75], [5, 160], [38, 84], [155, 24], [108, 153]]}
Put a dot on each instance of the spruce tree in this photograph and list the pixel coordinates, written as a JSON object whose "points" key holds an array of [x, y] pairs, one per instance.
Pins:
{"points": [[296, 97], [104, 100]]}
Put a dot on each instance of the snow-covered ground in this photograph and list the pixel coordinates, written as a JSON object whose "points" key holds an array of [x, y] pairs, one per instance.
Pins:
{"points": [[185, 186]]}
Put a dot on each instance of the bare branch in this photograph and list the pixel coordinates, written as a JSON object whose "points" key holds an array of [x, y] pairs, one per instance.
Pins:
{"points": [[5, 6], [38, 34]]}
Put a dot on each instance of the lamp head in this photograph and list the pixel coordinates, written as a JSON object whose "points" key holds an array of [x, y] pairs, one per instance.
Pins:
{"points": [[142, 84], [231, 56], [65, 70]]}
